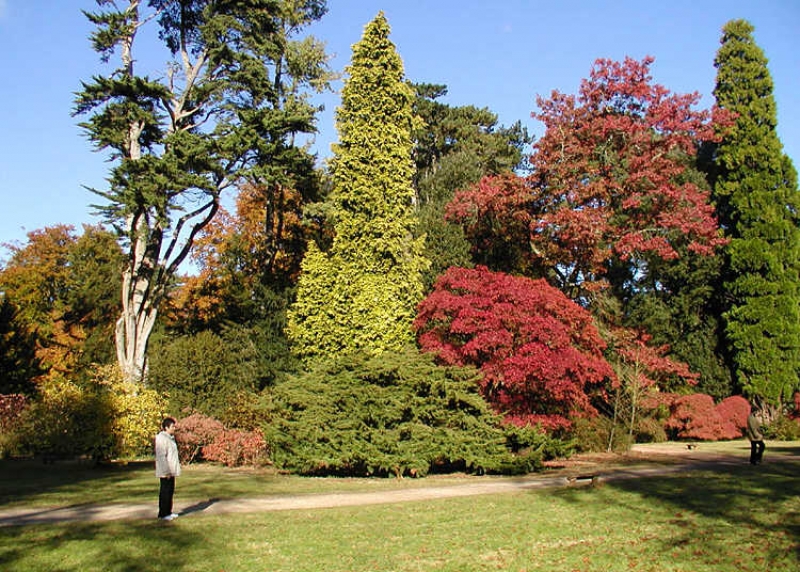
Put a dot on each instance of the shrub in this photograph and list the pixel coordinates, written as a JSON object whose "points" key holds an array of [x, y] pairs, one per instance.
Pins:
{"points": [[200, 372], [794, 413], [11, 410], [246, 411], [734, 410], [592, 435], [66, 419], [195, 432], [103, 417], [136, 412], [658, 405], [532, 446], [540, 353], [696, 417], [649, 430], [233, 448], [394, 414], [783, 428]]}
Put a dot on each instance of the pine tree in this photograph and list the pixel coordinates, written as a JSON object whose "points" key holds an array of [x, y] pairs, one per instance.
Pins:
{"points": [[755, 189], [361, 294]]}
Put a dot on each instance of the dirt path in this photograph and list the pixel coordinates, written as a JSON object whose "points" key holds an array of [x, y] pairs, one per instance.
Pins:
{"points": [[643, 461]]}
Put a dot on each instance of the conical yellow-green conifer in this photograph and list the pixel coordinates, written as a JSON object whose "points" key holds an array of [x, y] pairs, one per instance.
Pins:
{"points": [[361, 295]]}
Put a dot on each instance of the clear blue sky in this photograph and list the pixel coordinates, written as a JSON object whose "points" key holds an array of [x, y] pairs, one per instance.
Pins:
{"points": [[497, 54]]}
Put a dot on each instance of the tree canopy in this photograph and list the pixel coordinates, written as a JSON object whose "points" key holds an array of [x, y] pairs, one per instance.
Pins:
{"points": [[606, 181], [454, 147], [220, 111], [59, 301], [540, 353]]}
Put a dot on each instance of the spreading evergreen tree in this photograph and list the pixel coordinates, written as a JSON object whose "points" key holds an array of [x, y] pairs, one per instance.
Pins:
{"points": [[222, 106], [361, 294], [18, 363], [755, 188]]}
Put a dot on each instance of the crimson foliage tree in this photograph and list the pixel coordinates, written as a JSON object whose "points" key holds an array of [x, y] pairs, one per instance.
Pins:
{"points": [[608, 186], [696, 416], [539, 352]]}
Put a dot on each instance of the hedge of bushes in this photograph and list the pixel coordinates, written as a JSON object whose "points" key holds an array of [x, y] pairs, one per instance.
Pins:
{"points": [[102, 417], [200, 437]]}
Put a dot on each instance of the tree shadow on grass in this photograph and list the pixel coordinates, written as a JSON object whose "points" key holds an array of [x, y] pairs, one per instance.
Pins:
{"points": [[23, 480], [111, 547], [738, 501]]}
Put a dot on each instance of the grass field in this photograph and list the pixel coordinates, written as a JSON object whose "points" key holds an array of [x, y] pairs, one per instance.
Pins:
{"points": [[732, 518]]}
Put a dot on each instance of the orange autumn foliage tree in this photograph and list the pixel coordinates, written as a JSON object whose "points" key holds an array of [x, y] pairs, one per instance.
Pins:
{"points": [[259, 246], [58, 283]]}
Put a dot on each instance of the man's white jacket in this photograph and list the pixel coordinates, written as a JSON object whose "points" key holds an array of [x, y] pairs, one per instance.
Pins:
{"points": [[167, 463]]}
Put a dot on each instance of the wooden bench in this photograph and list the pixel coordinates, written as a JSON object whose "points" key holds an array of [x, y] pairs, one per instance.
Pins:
{"points": [[583, 479]]}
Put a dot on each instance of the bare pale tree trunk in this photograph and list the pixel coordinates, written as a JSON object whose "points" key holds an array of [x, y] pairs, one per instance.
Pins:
{"points": [[139, 308], [157, 248]]}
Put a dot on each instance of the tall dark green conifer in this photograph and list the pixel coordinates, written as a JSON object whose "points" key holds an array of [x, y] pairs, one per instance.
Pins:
{"points": [[361, 295], [756, 193]]}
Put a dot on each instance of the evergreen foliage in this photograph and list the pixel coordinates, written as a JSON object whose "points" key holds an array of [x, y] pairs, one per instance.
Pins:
{"points": [[221, 112], [453, 148], [94, 263], [396, 414], [202, 372], [361, 294], [757, 201], [18, 363], [678, 307]]}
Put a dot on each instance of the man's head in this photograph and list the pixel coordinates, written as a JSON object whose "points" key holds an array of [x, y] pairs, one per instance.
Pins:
{"points": [[168, 425]]}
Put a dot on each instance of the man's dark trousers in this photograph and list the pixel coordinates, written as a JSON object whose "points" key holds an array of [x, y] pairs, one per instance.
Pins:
{"points": [[165, 494], [756, 452]]}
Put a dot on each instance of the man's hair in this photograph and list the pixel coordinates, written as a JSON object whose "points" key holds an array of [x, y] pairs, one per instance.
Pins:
{"points": [[167, 422]]}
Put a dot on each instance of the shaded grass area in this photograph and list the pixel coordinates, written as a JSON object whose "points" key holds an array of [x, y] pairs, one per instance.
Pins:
{"points": [[734, 517]]}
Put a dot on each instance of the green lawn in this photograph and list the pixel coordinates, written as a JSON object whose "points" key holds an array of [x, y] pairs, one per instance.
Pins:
{"points": [[732, 518]]}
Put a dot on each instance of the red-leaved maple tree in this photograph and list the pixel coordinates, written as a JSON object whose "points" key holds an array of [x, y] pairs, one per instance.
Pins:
{"points": [[608, 181], [539, 352]]}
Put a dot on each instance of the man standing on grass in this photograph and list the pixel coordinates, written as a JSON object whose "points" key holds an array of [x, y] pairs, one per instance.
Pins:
{"points": [[167, 468], [756, 438]]}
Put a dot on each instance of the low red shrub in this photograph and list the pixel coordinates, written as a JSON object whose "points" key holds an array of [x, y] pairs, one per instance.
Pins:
{"points": [[734, 410], [796, 413], [195, 432], [233, 448], [696, 417]]}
